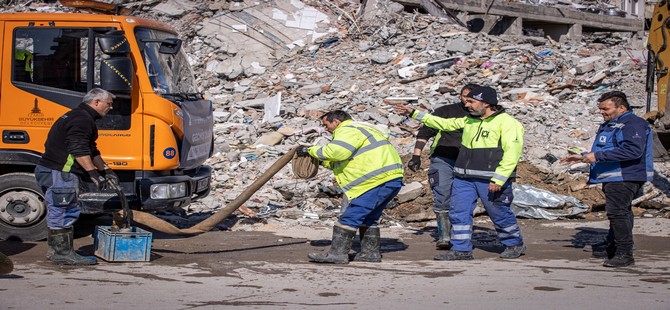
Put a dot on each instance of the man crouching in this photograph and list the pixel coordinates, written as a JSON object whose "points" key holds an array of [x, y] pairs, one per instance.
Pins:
{"points": [[369, 171]]}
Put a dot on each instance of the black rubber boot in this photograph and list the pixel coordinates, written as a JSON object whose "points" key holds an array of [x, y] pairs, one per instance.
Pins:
{"points": [[6, 265], [513, 251], [60, 243], [370, 245], [603, 250], [443, 230], [620, 260], [454, 255], [343, 237]]}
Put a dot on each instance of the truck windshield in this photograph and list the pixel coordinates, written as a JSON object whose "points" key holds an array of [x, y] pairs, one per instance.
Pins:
{"points": [[170, 74]]}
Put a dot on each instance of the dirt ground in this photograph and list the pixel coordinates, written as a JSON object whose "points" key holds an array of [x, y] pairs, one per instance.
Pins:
{"points": [[262, 264], [267, 268]]}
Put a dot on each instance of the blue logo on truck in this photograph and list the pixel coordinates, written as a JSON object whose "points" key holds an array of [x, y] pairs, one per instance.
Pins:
{"points": [[170, 153]]}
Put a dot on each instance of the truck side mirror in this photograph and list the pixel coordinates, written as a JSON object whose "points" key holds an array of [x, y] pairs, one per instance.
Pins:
{"points": [[116, 74], [167, 46], [170, 46], [114, 44]]}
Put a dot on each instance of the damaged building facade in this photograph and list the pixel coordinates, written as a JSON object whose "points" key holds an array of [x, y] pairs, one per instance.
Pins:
{"points": [[557, 20]]}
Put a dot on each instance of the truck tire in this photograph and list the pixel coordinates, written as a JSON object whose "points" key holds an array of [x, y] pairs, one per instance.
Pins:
{"points": [[23, 212]]}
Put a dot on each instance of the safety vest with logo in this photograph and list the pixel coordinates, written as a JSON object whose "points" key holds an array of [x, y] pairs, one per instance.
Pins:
{"points": [[361, 158], [490, 147], [623, 150]]}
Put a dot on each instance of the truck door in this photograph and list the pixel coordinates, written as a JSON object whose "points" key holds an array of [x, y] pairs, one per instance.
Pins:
{"points": [[51, 69]]}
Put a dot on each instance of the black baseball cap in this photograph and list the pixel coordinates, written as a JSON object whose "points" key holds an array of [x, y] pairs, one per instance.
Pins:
{"points": [[485, 94]]}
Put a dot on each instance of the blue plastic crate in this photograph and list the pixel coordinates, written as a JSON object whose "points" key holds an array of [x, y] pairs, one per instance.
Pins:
{"points": [[116, 246]]}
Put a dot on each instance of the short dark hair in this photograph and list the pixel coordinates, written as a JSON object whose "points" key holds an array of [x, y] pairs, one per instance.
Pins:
{"points": [[469, 86], [619, 98], [336, 115]]}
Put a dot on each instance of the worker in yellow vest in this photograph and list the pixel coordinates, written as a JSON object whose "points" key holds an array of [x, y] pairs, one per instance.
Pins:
{"points": [[369, 171], [485, 168]]}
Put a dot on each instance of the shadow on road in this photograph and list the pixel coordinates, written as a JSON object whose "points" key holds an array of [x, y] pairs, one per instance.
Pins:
{"points": [[12, 247]]}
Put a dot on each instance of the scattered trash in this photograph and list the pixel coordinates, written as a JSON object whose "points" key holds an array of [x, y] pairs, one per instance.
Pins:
{"points": [[271, 107], [330, 190], [576, 150], [267, 211], [246, 211], [250, 156], [550, 158], [428, 69]]}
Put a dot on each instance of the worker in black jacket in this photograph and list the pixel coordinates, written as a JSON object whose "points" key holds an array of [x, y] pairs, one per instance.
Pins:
{"points": [[70, 154], [443, 154]]}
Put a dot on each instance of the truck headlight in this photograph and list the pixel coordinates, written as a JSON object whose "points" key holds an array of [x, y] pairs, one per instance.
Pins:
{"points": [[167, 191]]}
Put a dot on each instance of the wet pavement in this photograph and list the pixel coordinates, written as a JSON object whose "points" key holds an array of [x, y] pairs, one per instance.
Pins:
{"points": [[269, 270]]}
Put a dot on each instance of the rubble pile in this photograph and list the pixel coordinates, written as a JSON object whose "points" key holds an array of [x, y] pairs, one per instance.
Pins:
{"points": [[273, 67]]}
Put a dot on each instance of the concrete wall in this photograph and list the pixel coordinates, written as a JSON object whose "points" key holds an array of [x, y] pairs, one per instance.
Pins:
{"points": [[558, 22], [633, 8]]}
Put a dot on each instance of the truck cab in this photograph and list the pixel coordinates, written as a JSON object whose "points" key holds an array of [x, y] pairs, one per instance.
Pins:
{"points": [[156, 138]]}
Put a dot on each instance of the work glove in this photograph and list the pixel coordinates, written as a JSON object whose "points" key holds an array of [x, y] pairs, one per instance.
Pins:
{"points": [[415, 163], [111, 177], [97, 179], [302, 151]]}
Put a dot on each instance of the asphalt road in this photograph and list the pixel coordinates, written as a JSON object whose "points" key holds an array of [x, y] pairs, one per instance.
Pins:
{"points": [[269, 270]]}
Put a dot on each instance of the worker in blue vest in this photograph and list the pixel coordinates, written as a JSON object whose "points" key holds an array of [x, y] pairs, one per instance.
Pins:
{"points": [[622, 160]]}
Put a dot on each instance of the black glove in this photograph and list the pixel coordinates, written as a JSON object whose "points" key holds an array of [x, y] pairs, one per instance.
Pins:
{"points": [[111, 177], [302, 151], [97, 179], [415, 163]]}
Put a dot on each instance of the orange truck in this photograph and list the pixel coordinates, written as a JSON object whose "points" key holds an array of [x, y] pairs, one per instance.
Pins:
{"points": [[157, 137]]}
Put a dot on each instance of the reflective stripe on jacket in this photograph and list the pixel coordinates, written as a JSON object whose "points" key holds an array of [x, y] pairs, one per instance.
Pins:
{"points": [[623, 151], [361, 158], [490, 147]]}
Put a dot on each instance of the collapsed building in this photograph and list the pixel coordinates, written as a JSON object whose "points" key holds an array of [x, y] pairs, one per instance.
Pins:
{"points": [[272, 68]]}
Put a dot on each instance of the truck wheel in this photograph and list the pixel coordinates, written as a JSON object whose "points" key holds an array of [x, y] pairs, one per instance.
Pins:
{"points": [[23, 213]]}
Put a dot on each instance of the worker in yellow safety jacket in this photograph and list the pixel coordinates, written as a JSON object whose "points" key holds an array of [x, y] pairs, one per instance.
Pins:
{"points": [[491, 146], [369, 171], [24, 72]]}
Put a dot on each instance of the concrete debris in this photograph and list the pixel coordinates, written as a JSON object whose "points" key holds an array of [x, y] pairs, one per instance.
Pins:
{"points": [[277, 64], [410, 192]]}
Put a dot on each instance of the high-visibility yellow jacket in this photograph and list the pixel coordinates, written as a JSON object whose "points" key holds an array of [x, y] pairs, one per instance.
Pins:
{"points": [[26, 56], [361, 158], [490, 147]]}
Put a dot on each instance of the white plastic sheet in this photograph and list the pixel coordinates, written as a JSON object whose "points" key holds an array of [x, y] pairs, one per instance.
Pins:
{"points": [[531, 202]]}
